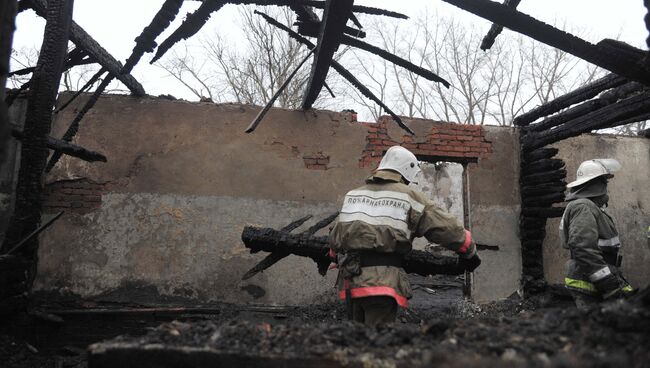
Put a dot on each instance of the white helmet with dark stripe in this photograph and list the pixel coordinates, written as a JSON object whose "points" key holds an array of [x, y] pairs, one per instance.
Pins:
{"points": [[403, 161]]}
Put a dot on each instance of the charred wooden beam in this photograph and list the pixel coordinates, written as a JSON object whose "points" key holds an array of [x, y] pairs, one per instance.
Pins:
{"points": [[543, 200], [395, 60], [320, 5], [335, 16], [340, 69], [7, 26], [66, 148], [548, 164], [311, 28], [645, 132], [596, 54], [190, 26], [84, 41], [542, 189], [538, 154], [542, 211], [316, 247], [606, 98], [496, 29], [144, 42], [579, 95], [38, 120], [543, 177], [612, 115], [83, 89]]}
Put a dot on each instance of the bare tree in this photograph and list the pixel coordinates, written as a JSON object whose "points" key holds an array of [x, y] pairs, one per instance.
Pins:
{"points": [[250, 73], [487, 87]]}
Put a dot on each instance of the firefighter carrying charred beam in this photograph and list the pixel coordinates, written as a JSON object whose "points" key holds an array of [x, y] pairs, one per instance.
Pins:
{"points": [[376, 227]]}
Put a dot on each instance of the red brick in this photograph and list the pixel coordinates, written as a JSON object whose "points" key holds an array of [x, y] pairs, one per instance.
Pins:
{"points": [[323, 161]]}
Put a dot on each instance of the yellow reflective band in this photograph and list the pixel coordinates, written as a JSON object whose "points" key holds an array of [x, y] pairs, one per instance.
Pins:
{"points": [[628, 289], [579, 284]]}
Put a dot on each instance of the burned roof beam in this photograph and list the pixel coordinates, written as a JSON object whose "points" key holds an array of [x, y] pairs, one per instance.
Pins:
{"points": [[341, 70], [626, 111], [395, 59], [190, 26], [605, 99], [144, 42], [496, 29], [600, 55], [311, 28], [335, 16], [84, 41], [579, 95], [66, 148], [71, 62]]}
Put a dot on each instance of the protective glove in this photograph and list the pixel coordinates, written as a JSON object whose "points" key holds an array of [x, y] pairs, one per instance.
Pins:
{"points": [[470, 264]]}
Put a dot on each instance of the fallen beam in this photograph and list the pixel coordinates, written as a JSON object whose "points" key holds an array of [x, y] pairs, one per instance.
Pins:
{"points": [[316, 247], [601, 55], [84, 41]]}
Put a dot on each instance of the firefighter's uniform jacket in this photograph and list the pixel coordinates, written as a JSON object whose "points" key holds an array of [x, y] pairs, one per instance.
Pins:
{"points": [[589, 233], [384, 216]]}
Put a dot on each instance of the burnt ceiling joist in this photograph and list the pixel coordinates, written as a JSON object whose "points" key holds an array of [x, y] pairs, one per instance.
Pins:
{"points": [[604, 54], [496, 29], [579, 95], [346, 74], [84, 41], [335, 16]]}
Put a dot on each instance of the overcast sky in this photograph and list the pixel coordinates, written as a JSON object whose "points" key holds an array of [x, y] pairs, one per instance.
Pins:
{"points": [[116, 23]]}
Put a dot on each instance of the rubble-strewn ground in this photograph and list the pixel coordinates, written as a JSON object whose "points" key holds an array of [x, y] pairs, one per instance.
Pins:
{"points": [[542, 331]]}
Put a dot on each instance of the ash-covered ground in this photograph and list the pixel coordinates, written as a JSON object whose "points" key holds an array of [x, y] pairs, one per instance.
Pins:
{"points": [[440, 329]]}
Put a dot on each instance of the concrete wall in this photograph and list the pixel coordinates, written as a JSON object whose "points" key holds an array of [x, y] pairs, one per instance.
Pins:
{"points": [[162, 219], [494, 216], [629, 202]]}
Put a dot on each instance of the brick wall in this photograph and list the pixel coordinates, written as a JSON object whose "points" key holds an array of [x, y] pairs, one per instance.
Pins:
{"points": [[316, 161], [444, 141], [80, 196]]}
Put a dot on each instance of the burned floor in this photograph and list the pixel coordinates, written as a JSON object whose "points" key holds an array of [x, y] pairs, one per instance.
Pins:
{"points": [[440, 328]]}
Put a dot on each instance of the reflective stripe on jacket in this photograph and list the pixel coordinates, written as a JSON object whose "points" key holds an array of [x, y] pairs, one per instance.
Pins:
{"points": [[385, 215], [587, 231]]}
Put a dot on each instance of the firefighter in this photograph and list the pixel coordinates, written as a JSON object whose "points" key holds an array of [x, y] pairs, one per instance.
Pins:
{"points": [[375, 228], [589, 232]]}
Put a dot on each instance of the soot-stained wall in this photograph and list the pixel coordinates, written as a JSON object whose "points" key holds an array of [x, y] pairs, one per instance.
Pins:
{"points": [[162, 219]]}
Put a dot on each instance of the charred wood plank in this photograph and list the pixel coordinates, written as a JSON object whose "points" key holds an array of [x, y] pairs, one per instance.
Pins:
{"points": [[531, 234], [38, 119], [612, 115], [496, 29], [321, 5], [395, 60], [542, 189], [8, 11], [335, 16], [86, 86], [543, 177], [341, 70], [540, 31], [310, 29], [71, 62], [542, 211], [579, 95], [83, 40], [144, 42], [645, 132], [547, 164], [532, 223], [539, 154], [316, 247], [543, 200], [606, 98], [190, 26], [66, 148]]}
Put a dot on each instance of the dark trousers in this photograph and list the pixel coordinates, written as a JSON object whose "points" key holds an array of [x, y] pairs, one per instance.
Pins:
{"points": [[374, 310]]}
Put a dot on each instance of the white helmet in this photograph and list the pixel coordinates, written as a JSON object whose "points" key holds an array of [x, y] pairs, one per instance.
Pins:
{"points": [[592, 169], [403, 161]]}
